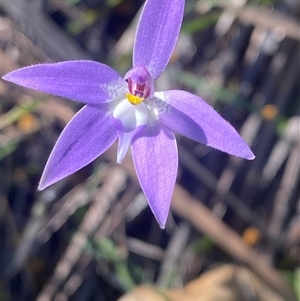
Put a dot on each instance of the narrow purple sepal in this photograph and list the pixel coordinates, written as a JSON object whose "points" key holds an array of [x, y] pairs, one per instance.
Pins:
{"points": [[155, 157], [157, 34], [89, 134], [190, 116], [85, 81]]}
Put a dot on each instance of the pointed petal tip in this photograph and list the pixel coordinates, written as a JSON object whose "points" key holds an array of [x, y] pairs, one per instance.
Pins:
{"points": [[44, 183], [161, 217], [248, 154], [161, 213], [42, 186], [7, 76], [12, 76], [120, 160], [252, 157], [162, 225]]}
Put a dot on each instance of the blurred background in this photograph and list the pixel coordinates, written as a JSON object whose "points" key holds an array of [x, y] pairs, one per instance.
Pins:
{"points": [[234, 227]]}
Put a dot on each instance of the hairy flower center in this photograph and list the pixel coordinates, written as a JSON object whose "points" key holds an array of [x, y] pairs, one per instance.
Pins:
{"points": [[140, 85]]}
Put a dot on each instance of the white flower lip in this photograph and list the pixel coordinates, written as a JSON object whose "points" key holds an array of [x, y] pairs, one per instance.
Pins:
{"points": [[131, 116]]}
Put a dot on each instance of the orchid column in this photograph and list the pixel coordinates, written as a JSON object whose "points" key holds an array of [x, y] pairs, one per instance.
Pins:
{"points": [[129, 109]]}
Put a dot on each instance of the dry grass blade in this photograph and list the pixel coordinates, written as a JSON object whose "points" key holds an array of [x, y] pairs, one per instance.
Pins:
{"points": [[144, 249], [209, 179], [203, 220], [281, 150], [271, 20], [41, 227], [206, 222], [30, 12], [248, 131], [118, 212], [93, 218], [283, 197], [173, 253]]}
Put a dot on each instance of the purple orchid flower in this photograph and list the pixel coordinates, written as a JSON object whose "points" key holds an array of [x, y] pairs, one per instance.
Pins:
{"points": [[129, 109]]}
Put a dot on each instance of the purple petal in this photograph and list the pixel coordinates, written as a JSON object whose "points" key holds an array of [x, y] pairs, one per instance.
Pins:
{"points": [[157, 34], [190, 116], [155, 157], [86, 137], [85, 81]]}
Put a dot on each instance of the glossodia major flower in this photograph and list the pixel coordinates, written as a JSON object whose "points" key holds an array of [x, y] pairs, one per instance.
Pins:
{"points": [[129, 109]]}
